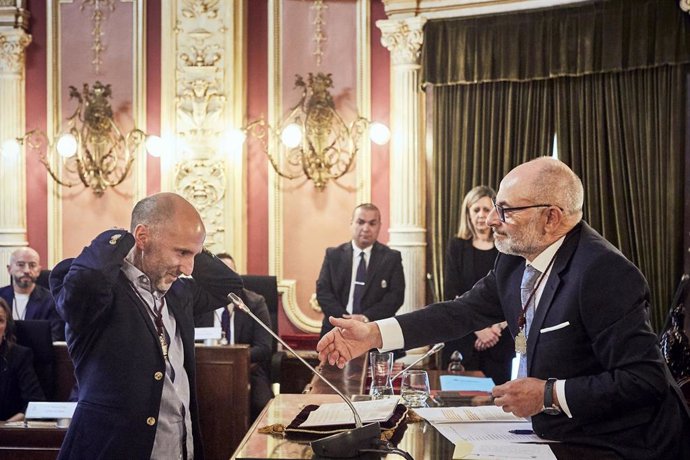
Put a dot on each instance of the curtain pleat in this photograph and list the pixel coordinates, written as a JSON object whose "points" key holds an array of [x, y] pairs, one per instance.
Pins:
{"points": [[480, 133], [622, 133]]}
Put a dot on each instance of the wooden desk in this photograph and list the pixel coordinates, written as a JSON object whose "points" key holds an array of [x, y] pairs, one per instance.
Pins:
{"points": [[30, 443], [421, 439]]}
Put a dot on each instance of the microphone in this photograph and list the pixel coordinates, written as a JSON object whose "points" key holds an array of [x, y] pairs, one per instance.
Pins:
{"points": [[342, 445], [435, 349]]}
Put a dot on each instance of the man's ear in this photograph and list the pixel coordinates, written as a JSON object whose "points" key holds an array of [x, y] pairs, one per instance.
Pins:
{"points": [[554, 218], [141, 236]]}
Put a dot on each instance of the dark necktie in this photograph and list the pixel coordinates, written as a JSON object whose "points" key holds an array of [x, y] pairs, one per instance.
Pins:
{"points": [[529, 278], [225, 324], [360, 282]]}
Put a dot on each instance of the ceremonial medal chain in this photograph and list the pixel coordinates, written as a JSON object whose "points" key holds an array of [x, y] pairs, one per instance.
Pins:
{"points": [[521, 338]]}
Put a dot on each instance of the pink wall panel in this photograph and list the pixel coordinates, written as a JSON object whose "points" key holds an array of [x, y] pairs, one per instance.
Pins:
{"points": [[85, 214], [380, 111], [315, 220], [153, 89], [257, 164], [36, 176]]}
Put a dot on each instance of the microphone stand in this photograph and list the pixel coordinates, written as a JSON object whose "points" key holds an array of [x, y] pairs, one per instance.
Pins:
{"points": [[342, 445], [435, 349]]}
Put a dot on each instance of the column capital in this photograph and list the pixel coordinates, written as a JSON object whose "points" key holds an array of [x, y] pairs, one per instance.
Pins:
{"points": [[12, 45], [403, 38]]}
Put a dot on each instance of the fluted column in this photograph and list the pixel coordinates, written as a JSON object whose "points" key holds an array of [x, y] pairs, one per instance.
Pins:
{"points": [[13, 41], [403, 38]]}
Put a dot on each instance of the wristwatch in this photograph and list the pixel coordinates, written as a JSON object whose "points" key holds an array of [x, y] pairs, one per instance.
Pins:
{"points": [[549, 407]]}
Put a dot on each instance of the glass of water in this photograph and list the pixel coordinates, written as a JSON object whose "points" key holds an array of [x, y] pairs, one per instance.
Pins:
{"points": [[381, 365], [414, 388]]}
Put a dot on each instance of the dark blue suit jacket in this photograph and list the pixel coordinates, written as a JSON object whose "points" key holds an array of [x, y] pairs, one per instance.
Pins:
{"points": [[618, 388], [115, 349], [384, 291], [39, 307]]}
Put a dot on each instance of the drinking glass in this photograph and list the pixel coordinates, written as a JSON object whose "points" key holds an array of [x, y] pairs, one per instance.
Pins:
{"points": [[414, 388], [381, 365]]}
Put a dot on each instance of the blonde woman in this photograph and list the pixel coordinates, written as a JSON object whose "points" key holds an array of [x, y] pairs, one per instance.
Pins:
{"points": [[470, 256]]}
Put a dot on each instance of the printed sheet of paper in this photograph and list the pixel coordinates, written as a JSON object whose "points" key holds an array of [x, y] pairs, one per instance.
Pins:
{"points": [[502, 450], [340, 413], [467, 414], [488, 431]]}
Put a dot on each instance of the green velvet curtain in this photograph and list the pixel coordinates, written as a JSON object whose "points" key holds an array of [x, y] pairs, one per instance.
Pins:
{"points": [[622, 133], [609, 78], [481, 132]]}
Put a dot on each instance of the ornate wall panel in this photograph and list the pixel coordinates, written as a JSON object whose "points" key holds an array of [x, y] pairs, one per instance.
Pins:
{"points": [[202, 95], [330, 37]]}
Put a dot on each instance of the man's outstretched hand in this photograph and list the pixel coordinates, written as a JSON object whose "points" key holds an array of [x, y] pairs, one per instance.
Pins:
{"points": [[348, 339]]}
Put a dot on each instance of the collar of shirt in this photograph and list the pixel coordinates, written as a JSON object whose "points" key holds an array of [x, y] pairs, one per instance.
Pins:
{"points": [[139, 279], [541, 262], [356, 251]]}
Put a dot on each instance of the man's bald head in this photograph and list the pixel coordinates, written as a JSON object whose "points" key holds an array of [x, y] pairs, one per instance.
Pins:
{"points": [[548, 180], [162, 209], [24, 268], [168, 233]]}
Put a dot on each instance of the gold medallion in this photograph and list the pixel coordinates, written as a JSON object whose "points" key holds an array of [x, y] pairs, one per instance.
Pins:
{"points": [[164, 346], [521, 343]]}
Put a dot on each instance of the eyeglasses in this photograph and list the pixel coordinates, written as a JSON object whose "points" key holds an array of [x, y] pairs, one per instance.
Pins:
{"points": [[501, 210]]}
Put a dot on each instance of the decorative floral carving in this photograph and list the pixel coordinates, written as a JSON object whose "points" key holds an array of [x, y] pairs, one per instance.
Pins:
{"points": [[12, 45], [403, 39], [684, 5], [202, 183]]}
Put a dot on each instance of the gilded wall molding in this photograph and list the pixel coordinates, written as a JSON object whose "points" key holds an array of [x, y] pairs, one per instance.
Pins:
{"points": [[435, 9], [202, 95]]}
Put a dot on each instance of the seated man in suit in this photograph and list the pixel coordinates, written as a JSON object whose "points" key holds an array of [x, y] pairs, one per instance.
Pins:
{"points": [[591, 371], [240, 328], [27, 299], [361, 279]]}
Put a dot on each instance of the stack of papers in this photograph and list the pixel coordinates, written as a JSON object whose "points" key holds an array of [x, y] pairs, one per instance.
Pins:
{"points": [[340, 414]]}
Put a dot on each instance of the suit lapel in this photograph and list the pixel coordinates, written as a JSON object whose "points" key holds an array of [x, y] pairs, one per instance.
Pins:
{"points": [[563, 256], [346, 261]]}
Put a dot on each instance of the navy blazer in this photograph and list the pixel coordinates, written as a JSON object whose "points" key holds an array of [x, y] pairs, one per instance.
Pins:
{"points": [[115, 348], [384, 291], [618, 387], [39, 307]]}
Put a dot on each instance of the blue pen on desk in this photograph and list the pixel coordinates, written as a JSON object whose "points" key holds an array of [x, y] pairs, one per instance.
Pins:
{"points": [[521, 431]]}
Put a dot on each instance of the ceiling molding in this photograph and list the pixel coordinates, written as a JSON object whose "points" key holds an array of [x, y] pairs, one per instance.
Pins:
{"points": [[436, 9]]}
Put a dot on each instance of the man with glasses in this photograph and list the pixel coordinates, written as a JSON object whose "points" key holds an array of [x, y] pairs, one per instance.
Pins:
{"points": [[130, 332], [591, 371]]}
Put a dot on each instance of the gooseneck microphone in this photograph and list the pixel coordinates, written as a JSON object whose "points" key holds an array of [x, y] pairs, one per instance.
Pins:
{"points": [[435, 349], [342, 445]]}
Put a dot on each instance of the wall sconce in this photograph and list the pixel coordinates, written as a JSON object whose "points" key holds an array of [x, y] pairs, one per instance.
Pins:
{"points": [[93, 148], [318, 143]]}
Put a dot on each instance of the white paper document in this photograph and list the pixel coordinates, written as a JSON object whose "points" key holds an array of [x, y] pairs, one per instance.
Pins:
{"points": [[340, 413], [467, 414], [477, 432], [502, 450]]}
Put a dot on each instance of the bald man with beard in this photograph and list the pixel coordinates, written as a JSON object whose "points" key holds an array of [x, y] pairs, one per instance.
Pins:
{"points": [[130, 332], [27, 299], [591, 370]]}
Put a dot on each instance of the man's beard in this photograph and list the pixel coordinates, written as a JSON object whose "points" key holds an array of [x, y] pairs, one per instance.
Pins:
{"points": [[24, 281], [526, 244]]}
